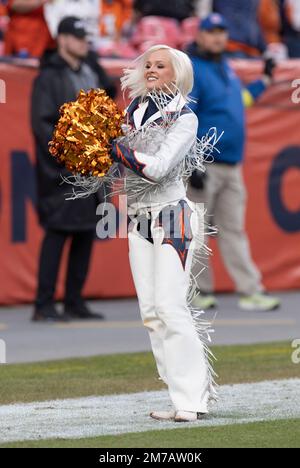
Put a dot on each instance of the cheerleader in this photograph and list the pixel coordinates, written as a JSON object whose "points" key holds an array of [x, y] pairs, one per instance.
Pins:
{"points": [[158, 151]]}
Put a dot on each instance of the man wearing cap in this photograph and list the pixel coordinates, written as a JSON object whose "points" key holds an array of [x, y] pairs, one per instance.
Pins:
{"points": [[63, 73], [220, 102]]}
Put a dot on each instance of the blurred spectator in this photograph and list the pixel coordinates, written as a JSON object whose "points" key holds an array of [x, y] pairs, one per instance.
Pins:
{"points": [[87, 10], [203, 8], [290, 16], [3, 18], [62, 75], [27, 34], [114, 16], [269, 19], [116, 27], [246, 32], [219, 103], [177, 9]]}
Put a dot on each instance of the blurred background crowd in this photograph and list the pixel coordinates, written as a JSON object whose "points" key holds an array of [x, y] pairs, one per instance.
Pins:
{"points": [[124, 28]]}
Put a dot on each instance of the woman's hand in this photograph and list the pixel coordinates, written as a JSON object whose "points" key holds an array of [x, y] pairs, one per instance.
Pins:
{"points": [[116, 152]]}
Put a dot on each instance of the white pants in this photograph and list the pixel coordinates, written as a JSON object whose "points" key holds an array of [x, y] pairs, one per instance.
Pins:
{"points": [[161, 272]]}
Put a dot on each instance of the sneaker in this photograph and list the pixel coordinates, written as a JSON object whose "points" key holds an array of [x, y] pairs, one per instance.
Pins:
{"points": [[163, 415], [204, 301], [259, 301]]}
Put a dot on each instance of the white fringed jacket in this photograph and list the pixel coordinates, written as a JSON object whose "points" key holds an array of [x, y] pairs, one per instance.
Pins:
{"points": [[154, 153]]}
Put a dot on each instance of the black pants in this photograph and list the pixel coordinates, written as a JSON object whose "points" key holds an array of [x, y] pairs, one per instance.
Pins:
{"points": [[78, 264]]}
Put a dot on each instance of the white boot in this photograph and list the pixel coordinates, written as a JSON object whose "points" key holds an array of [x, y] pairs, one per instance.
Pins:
{"points": [[163, 415], [186, 416]]}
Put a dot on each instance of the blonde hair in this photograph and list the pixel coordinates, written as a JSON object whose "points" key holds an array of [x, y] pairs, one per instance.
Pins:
{"points": [[133, 78]]}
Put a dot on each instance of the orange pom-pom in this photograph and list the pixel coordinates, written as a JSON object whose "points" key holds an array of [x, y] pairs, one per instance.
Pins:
{"points": [[81, 139]]}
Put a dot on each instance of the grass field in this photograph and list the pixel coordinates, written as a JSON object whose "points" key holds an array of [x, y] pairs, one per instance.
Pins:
{"points": [[128, 373]]}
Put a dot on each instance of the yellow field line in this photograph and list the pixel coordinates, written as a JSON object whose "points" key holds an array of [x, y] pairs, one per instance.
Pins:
{"points": [[97, 324], [138, 323], [237, 322]]}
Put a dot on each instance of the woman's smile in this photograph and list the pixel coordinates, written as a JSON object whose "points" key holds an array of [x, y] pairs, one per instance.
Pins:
{"points": [[159, 72]]}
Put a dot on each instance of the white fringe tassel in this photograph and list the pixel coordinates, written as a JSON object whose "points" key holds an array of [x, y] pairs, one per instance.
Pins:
{"points": [[201, 252]]}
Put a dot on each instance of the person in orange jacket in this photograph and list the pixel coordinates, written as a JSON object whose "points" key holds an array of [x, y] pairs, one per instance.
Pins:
{"points": [[113, 15], [27, 34], [290, 18]]}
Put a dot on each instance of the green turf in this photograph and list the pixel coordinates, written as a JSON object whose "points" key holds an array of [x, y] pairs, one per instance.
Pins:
{"points": [[127, 373], [279, 433]]}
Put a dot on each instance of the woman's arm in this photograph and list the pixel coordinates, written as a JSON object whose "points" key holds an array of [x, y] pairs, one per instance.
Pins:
{"points": [[178, 142]]}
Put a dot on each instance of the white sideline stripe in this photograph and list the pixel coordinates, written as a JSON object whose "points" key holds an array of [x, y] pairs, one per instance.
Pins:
{"points": [[117, 414]]}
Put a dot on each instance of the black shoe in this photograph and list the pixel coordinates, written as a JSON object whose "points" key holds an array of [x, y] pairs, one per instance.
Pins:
{"points": [[82, 312], [49, 314]]}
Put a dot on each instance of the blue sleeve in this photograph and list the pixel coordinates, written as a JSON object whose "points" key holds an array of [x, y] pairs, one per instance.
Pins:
{"points": [[126, 156], [196, 91], [256, 88]]}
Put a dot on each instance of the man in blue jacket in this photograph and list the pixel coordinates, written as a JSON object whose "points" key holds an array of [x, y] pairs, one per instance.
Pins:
{"points": [[220, 102]]}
